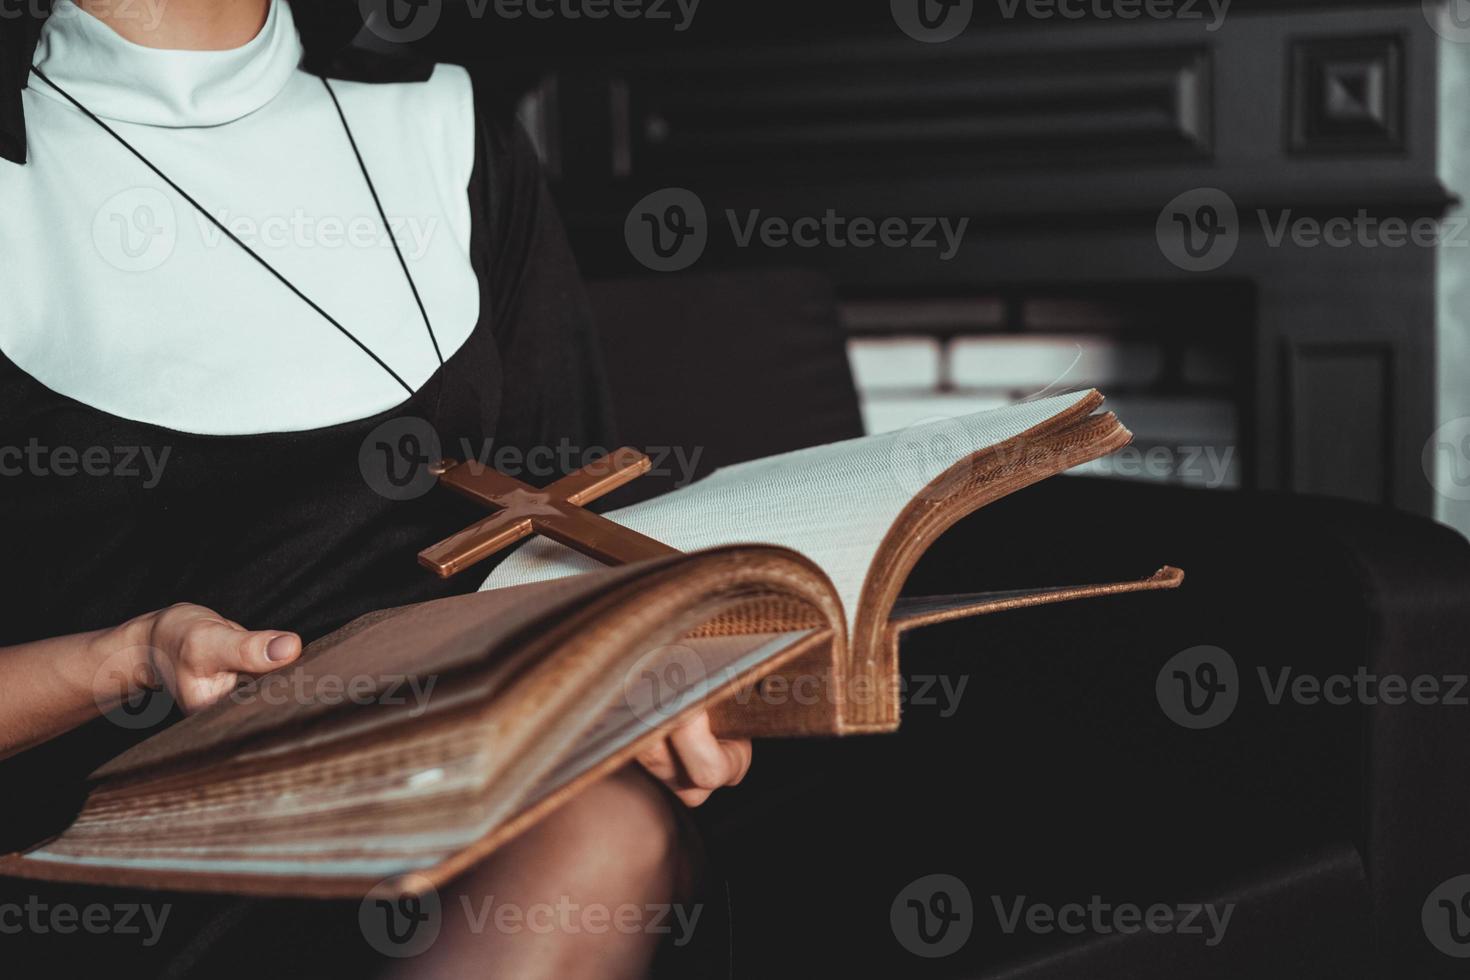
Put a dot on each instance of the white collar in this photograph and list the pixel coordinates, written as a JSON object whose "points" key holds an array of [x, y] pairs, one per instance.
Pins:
{"points": [[120, 80]]}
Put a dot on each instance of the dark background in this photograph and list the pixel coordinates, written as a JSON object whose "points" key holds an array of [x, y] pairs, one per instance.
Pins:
{"points": [[1068, 145], [1062, 140]]}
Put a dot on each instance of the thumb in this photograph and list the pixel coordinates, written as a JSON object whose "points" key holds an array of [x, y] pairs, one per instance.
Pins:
{"points": [[217, 655], [261, 652]]}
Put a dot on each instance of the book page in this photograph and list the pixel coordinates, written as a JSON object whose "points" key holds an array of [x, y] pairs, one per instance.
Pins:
{"points": [[422, 642], [832, 503], [673, 679]]}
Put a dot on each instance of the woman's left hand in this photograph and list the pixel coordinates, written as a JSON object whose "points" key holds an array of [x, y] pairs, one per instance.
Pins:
{"points": [[694, 763]]}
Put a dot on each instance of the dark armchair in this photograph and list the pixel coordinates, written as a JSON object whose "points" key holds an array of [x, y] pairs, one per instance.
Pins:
{"points": [[1053, 777]]}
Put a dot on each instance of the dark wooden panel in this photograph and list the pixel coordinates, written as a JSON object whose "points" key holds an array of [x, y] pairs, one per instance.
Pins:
{"points": [[1347, 95], [1339, 402], [1060, 144], [797, 111]]}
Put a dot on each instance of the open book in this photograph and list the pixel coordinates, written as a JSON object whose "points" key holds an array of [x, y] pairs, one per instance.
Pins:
{"points": [[414, 741]]}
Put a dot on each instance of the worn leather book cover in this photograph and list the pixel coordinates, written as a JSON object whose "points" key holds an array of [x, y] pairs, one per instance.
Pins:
{"points": [[557, 672]]}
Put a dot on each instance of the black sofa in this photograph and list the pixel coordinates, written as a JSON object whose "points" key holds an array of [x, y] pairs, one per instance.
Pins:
{"points": [[1322, 828]]}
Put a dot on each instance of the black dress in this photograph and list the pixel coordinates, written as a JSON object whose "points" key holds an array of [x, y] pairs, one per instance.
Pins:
{"points": [[300, 531]]}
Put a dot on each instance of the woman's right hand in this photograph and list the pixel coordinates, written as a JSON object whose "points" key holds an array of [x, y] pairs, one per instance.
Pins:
{"points": [[200, 656], [51, 686]]}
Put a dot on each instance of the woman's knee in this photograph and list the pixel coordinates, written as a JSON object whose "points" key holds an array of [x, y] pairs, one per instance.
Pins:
{"points": [[623, 831], [615, 848], [618, 840]]}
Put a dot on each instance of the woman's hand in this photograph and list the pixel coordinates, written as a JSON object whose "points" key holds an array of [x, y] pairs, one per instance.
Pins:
{"points": [[49, 687], [693, 763], [200, 656]]}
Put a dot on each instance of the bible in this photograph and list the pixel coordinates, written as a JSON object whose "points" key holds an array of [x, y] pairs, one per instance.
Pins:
{"points": [[314, 781]]}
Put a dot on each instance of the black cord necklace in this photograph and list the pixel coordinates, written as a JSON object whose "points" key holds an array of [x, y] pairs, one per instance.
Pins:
{"points": [[256, 256]]}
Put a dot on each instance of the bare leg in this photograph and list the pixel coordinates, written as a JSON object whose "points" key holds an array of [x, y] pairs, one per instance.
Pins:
{"points": [[548, 905]]}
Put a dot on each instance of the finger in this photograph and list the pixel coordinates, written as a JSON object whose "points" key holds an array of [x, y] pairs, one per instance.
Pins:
{"points": [[693, 797], [704, 763], [739, 752], [216, 647], [658, 759], [268, 650], [659, 762], [194, 694]]}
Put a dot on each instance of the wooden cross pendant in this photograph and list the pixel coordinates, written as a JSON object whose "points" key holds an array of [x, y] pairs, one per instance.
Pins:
{"points": [[556, 512]]}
